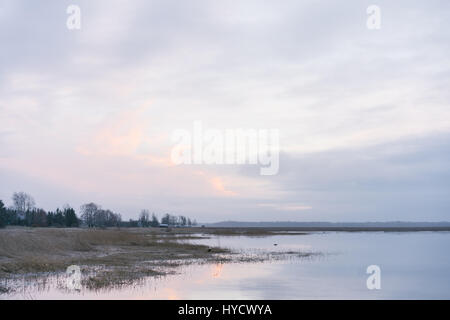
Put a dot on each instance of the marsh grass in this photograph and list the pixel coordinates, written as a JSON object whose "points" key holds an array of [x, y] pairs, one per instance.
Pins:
{"points": [[112, 258], [117, 278], [49, 250], [4, 290]]}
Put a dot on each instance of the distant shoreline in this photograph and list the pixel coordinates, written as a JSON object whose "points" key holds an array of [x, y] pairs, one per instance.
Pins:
{"points": [[335, 226], [337, 229]]}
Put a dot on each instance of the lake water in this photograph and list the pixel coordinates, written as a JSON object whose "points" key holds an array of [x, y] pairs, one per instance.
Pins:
{"points": [[413, 265]]}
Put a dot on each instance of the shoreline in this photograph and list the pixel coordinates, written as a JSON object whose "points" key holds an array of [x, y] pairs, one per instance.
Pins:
{"points": [[119, 257], [113, 257], [327, 229]]}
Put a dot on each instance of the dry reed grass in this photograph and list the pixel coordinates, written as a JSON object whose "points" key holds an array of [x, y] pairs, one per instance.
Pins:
{"points": [[24, 250]]}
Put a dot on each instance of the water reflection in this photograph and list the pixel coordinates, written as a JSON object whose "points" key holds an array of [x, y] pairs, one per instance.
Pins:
{"points": [[414, 265], [217, 271]]}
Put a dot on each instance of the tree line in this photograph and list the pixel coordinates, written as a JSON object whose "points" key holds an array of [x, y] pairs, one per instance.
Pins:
{"points": [[24, 212]]}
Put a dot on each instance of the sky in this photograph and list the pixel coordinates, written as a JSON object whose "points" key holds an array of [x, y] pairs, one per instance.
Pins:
{"points": [[363, 115]]}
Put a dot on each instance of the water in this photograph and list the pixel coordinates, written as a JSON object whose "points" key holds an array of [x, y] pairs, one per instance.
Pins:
{"points": [[413, 265]]}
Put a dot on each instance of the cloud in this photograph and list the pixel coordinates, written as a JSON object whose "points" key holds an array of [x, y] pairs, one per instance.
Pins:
{"points": [[406, 179], [356, 109], [285, 207]]}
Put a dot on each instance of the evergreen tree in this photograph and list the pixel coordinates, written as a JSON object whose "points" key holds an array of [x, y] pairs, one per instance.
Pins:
{"points": [[3, 216], [165, 219], [155, 222], [70, 218]]}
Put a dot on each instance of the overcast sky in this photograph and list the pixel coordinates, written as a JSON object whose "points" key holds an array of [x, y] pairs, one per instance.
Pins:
{"points": [[363, 115]]}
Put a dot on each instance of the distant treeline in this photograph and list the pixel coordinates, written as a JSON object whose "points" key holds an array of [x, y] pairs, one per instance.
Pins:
{"points": [[23, 212]]}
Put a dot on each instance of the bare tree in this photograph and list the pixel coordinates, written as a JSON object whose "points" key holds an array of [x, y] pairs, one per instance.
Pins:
{"points": [[144, 218], [88, 213], [101, 218], [115, 220], [182, 220], [155, 222], [22, 202]]}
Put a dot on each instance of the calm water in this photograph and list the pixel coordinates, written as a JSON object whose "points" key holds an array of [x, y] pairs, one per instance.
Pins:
{"points": [[413, 266]]}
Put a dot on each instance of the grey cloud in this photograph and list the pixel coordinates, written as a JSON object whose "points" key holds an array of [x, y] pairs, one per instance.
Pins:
{"points": [[309, 68], [407, 179]]}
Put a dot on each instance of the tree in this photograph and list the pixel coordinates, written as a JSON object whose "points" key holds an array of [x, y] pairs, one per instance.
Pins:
{"points": [[173, 220], [132, 223], [100, 217], [63, 218], [70, 217], [182, 220], [115, 220], [112, 219], [22, 203], [155, 222], [144, 218], [39, 218], [29, 216], [11, 216], [88, 212], [166, 219], [3, 217], [58, 219], [94, 216]]}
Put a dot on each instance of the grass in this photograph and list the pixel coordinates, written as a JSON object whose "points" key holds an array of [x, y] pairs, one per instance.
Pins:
{"points": [[25, 251], [113, 257], [117, 277]]}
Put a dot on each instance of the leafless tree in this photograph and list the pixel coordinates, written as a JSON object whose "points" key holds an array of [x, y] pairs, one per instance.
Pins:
{"points": [[144, 218], [88, 213], [22, 202], [182, 220]]}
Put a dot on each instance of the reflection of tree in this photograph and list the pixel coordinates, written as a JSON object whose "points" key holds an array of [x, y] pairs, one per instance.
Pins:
{"points": [[217, 271]]}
